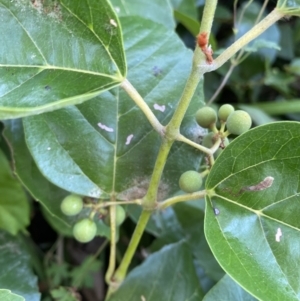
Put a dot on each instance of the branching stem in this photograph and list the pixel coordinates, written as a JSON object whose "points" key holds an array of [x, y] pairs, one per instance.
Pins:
{"points": [[140, 102], [182, 198]]}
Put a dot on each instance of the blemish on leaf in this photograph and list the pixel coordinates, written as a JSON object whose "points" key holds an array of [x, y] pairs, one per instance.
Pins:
{"points": [[128, 139], [159, 108], [113, 22], [104, 127], [216, 211], [51, 9], [278, 235], [143, 298], [264, 184], [48, 148], [48, 88], [117, 9], [156, 71], [138, 188]]}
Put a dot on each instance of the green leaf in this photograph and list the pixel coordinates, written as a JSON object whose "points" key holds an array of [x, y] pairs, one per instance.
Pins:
{"points": [[14, 207], [227, 290], [16, 273], [255, 236], [165, 275], [190, 215], [189, 23], [280, 107], [158, 11], [88, 149], [186, 7], [82, 276], [64, 294], [42, 190], [279, 80], [60, 54], [7, 295]]}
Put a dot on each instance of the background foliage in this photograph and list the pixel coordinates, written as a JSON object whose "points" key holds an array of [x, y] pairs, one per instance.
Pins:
{"points": [[98, 142]]}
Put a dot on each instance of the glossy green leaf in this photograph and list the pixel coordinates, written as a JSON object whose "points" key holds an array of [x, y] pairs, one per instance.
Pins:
{"points": [[7, 295], [57, 54], [107, 145], [14, 207], [49, 195], [16, 273], [190, 216], [168, 274], [255, 235], [227, 290], [158, 11]]}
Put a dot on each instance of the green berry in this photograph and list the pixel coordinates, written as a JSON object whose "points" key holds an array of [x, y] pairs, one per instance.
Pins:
{"points": [[225, 111], [71, 204], [120, 216], [85, 230], [238, 122], [190, 181], [206, 117], [218, 152], [208, 140]]}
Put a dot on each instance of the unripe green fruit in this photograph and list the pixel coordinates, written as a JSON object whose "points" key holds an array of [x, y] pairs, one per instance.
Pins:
{"points": [[120, 216], [225, 111], [208, 140], [190, 181], [85, 230], [71, 204], [238, 122], [206, 117]]}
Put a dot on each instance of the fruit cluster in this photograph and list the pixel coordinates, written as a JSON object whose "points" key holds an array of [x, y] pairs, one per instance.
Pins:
{"points": [[85, 229], [236, 122]]}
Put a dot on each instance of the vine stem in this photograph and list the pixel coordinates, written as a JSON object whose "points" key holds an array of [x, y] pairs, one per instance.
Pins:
{"points": [[169, 134], [112, 254], [195, 145], [253, 33], [140, 102], [181, 198], [137, 234]]}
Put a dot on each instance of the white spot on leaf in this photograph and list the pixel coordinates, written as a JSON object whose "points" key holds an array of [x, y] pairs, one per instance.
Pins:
{"points": [[113, 22], [104, 127], [48, 148], [117, 9], [128, 139], [278, 235], [159, 108]]}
